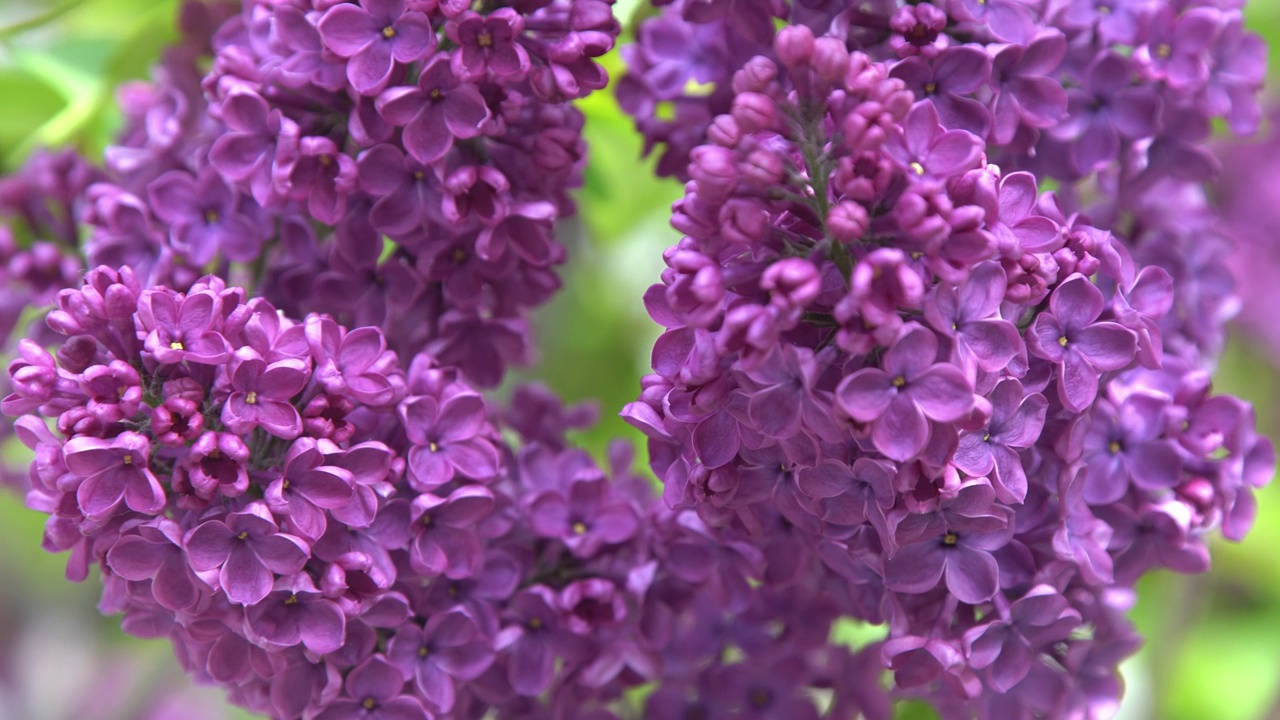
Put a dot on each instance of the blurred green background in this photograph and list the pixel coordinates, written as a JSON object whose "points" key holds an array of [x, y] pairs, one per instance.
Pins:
{"points": [[1213, 650]]}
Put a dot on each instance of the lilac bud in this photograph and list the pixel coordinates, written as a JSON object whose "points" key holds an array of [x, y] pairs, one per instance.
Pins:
{"points": [[794, 46]]}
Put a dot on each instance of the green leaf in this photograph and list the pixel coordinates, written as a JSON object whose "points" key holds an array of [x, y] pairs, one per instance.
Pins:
{"points": [[32, 103]]}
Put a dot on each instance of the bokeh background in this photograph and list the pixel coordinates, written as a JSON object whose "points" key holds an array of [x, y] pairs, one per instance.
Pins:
{"points": [[1213, 641]]}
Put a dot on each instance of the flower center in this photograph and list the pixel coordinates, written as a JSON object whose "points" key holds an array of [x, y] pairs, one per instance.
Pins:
{"points": [[1163, 51], [176, 345], [760, 698], [1062, 341], [293, 600], [424, 651], [388, 32], [435, 93], [484, 39], [325, 160], [930, 88], [433, 447], [535, 623], [251, 397], [243, 536], [899, 381], [128, 459], [579, 528], [917, 168], [1114, 447], [369, 703], [950, 539]]}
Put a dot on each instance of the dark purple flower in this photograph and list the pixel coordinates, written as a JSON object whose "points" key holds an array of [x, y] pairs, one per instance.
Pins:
{"points": [[441, 109], [488, 43], [246, 153], [1069, 336], [246, 549], [295, 613], [912, 389], [450, 648], [444, 532], [155, 553], [449, 439], [308, 486], [314, 169], [374, 36], [114, 470], [585, 516], [374, 691], [203, 216]]}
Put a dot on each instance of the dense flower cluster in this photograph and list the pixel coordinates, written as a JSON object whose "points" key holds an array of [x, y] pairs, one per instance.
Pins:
{"points": [[328, 537], [1246, 195], [396, 164], [984, 408], [899, 384]]}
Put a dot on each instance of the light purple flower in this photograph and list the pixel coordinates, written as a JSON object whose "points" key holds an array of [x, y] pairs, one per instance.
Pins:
{"points": [[114, 471], [261, 394], [1070, 336], [247, 551], [374, 35], [912, 389]]}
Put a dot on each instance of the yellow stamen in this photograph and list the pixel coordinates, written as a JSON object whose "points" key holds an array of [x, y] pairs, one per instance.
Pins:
{"points": [[579, 528], [251, 397], [388, 32], [1114, 447], [1062, 341], [176, 345], [128, 459], [950, 539], [899, 381], [484, 39], [917, 168]]}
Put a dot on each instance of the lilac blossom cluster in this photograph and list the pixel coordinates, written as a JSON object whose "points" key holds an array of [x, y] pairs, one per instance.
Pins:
{"points": [[1246, 195], [395, 164], [327, 536], [983, 408]]}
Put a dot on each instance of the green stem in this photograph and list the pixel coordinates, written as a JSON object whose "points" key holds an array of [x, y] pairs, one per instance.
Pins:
{"points": [[43, 18]]}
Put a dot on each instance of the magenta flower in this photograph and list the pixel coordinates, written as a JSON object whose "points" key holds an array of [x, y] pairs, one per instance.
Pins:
{"points": [[247, 551], [912, 389], [183, 328], [924, 148], [114, 470], [374, 35], [260, 394]]}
